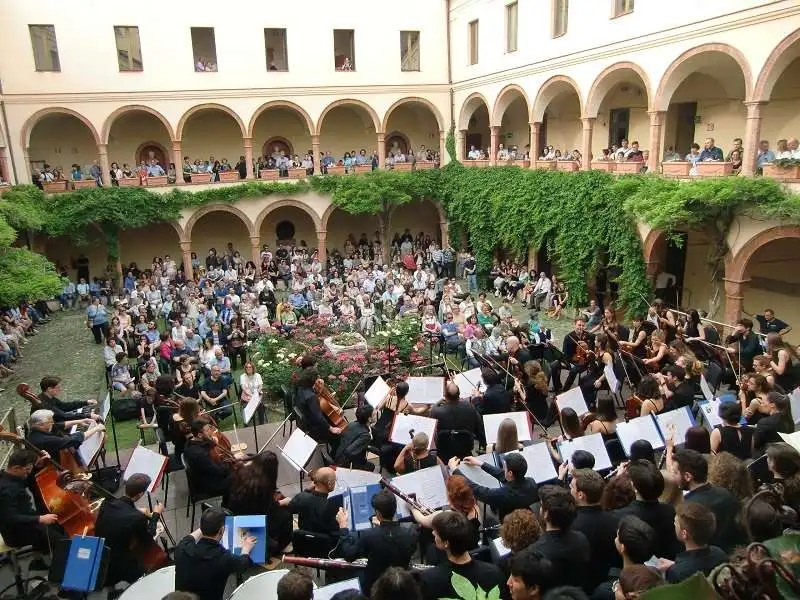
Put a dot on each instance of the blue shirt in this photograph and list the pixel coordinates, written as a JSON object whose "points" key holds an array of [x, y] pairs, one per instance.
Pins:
{"points": [[712, 153], [449, 329], [155, 170], [764, 157], [297, 301], [130, 283]]}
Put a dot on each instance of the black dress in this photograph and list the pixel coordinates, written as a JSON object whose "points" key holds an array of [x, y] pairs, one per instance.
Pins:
{"points": [[736, 440]]}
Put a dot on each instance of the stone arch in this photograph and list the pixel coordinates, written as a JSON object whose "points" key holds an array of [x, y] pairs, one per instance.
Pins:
{"points": [[688, 63], [350, 102], [281, 104], [736, 266], [30, 123], [319, 224], [208, 106], [608, 78], [504, 100], [427, 103], [776, 64], [550, 90], [109, 122], [209, 208], [468, 108], [166, 155]]}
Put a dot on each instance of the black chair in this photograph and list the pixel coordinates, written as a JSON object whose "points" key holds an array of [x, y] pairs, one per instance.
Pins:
{"points": [[454, 442], [173, 465], [194, 495], [615, 451], [713, 375], [288, 409], [311, 544]]}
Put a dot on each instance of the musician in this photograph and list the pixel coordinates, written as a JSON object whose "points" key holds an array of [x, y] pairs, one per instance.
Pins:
{"points": [[352, 449], [660, 352], [415, 455], [496, 398], [649, 393], [636, 344], [211, 477], [454, 415], [677, 391], [306, 402], [127, 530], [743, 345], [568, 361], [202, 565], [516, 354], [44, 437], [536, 388], [20, 523], [62, 411], [784, 362], [664, 319], [316, 513], [516, 491], [594, 377], [188, 387], [388, 544]]}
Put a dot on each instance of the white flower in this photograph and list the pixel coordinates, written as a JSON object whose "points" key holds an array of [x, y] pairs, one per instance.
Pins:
{"points": [[249, 343], [292, 355]]}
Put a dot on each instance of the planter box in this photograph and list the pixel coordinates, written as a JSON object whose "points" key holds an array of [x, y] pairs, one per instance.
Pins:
{"points": [[53, 187], [519, 162], [776, 172], [229, 176], [269, 173], [712, 168], [129, 182], [425, 164], [676, 168], [201, 177], [336, 349], [363, 168], [161, 180], [476, 163], [404, 166], [547, 165], [84, 184], [297, 173], [604, 165], [567, 165], [337, 170], [630, 167]]}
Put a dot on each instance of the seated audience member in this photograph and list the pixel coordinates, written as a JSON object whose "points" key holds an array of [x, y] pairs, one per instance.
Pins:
{"points": [[567, 549], [215, 393], [516, 491], [531, 574], [635, 544], [352, 449], [694, 526]]}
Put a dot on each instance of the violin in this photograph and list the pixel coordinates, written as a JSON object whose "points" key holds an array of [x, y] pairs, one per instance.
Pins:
{"points": [[583, 355], [633, 406], [329, 405], [222, 451]]}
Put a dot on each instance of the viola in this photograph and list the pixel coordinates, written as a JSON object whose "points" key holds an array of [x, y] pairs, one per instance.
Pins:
{"points": [[633, 406], [329, 405], [583, 355]]}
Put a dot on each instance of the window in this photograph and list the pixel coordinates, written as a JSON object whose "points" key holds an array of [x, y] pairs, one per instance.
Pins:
{"points": [[45, 49], [560, 15], [473, 43], [204, 49], [511, 27], [409, 50], [344, 49], [622, 7], [275, 44], [129, 51]]}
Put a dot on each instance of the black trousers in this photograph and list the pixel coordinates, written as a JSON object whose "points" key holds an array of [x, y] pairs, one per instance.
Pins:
{"points": [[555, 371]]}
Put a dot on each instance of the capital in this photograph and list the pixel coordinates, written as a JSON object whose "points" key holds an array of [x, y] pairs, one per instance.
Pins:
{"points": [[186, 246]]}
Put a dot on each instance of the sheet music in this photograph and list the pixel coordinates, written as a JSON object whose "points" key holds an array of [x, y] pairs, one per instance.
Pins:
{"points": [[613, 383], [105, 406], [492, 422], [794, 400], [640, 428], [250, 409], [468, 381], [479, 476], [90, 447], [350, 478], [298, 449], [573, 398], [326, 592], [793, 439], [377, 392], [404, 425], [425, 390], [489, 457], [708, 394], [540, 463], [676, 423], [428, 485], [593, 443], [709, 413], [147, 462]]}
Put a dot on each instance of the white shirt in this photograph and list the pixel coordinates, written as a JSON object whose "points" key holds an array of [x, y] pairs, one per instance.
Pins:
{"points": [[543, 286], [251, 384]]}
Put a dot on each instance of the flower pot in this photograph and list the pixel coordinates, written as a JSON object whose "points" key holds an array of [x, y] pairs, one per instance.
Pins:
{"points": [[567, 165], [404, 166], [363, 168], [229, 176], [129, 182], [476, 163], [336, 348], [713, 168], [268, 173], [776, 172], [520, 162], [604, 165], [297, 173], [201, 177], [84, 184], [157, 181], [676, 168], [53, 187], [547, 165], [337, 170], [629, 167]]}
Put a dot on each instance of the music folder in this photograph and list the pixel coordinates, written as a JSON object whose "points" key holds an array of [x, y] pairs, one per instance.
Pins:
{"points": [[242, 526], [84, 559]]}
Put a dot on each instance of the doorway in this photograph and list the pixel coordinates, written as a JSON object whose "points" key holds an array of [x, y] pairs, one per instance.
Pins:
{"points": [[274, 146], [150, 151], [473, 139], [675, 265], [685, 127], [618, 126]]}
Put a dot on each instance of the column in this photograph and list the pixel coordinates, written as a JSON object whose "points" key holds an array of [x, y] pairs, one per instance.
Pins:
{"points": [[322, 251], [105, 166], [186, 250], [5, 173], [26, 165], [752, 135], [315, 152], [444, 227], [532, 255], [381, 150], [443, 157], [495, 133], [177, 158], [255, 245], [535, 149], [461, 136], [657, 118], [248, 156], [734, 299], [586, 145]]}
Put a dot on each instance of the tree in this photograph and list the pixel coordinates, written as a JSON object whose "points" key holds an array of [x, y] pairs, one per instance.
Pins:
{"points": [[23, 274]]}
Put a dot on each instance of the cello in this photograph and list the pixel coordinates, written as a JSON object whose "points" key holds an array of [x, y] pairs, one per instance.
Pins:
{"points": [[329, 405]]}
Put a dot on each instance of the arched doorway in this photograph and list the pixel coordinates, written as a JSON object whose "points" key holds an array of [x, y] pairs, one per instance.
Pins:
{"points": [[136, 134], [153, 151], [140, 245], [397, 143], [512, 116], [558, 108], [474, 122], [280, 126], [288, 226], [414, 125], [348, 126], [276, 147], [211, 133], [217, 228]]}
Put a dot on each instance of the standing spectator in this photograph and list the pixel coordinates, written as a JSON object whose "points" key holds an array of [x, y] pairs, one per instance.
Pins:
{"points": [[765, 155], [97, 320], [470, 271], [710, 151]]}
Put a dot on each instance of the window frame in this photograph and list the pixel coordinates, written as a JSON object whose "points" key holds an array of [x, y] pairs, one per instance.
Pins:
{"points": [[472, 48], [506, 21], [555, 7], [131, 68], [419, 50], [56, 67], [615, 13], [195, 55], [285, 48], [352, 52]]}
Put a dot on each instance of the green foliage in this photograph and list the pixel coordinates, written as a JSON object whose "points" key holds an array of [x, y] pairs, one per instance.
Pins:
{"points": [[466, 591], [450, 143], [786, 162], [25, 274]]}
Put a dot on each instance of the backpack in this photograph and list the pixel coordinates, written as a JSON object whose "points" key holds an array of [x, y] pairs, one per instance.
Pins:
{"points": [[124, 409]]}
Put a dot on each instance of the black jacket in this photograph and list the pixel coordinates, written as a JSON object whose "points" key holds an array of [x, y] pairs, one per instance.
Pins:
{"points": [[307, 404], [54, 443], [124, 528], [726, 508], [17, 512], [315, 512], [62, 411], [692, 561], [496, 399], [570, 553], [509, 496], [600, 528], [437, 581], [209, 477], [352, 449], [571, 342], [661, 517], [459, 417], [203, 567], [389, 545]]}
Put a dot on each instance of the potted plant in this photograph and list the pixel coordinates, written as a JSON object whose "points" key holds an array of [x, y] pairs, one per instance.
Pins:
{"points": [[476, 163], [201, 177], [53, 187], [567, 165], [363, 168], [345, 342], [269, 173], [547, 165], [629, 167], [714, 168], [783, 168], [403, 166], [521, 162], [676, 168], [297, 173], [336, 170], [604, 165], [83, 184], [129, 182]]}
